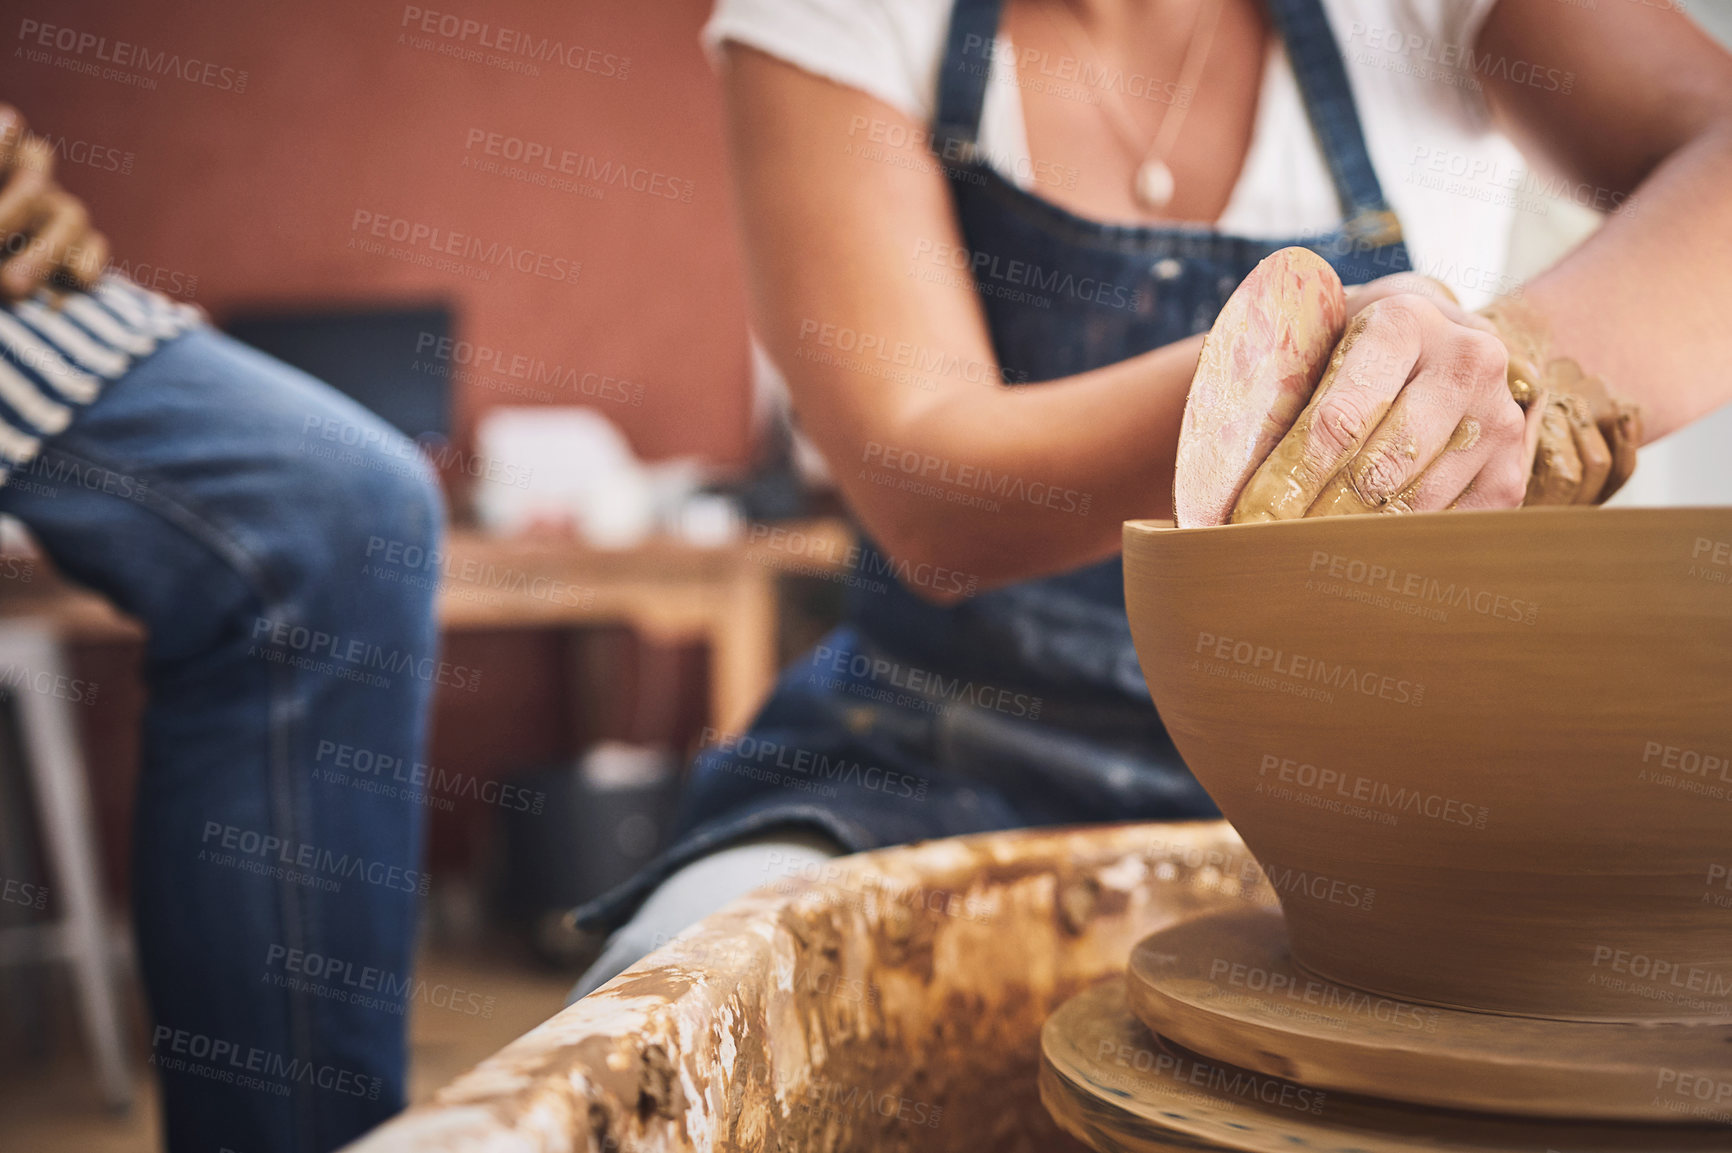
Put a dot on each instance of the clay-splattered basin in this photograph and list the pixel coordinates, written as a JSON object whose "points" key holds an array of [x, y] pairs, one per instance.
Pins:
{"points": [[891, 1001], [1484, 758]]}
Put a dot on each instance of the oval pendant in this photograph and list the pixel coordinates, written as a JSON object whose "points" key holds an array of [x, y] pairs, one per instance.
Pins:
{"points": [[1154, 184]]}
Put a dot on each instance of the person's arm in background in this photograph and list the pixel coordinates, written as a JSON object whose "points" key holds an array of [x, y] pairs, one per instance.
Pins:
{"points": [[831, 239], [45, 233], [1646, 302]]}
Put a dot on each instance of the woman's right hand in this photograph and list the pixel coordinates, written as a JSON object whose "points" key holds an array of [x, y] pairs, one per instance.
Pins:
{"points": [[1413, 414]]}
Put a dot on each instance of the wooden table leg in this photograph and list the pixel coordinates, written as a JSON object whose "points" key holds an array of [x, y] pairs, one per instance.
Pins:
{"points": [[743, 648]]}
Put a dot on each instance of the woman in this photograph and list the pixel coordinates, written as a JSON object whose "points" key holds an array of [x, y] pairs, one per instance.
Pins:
{"points": [[1065, 192]]}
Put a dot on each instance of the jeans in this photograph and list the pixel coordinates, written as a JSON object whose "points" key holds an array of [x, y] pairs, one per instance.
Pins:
{"points": [[699, 889], [232, 504]]}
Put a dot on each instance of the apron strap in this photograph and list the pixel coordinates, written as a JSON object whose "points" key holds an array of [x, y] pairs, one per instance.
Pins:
{"points": [[1322, 78], [962, 79], [1317, 67]]}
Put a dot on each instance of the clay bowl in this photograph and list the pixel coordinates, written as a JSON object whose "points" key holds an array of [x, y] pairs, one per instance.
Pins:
{"points": [[1483, 757]]}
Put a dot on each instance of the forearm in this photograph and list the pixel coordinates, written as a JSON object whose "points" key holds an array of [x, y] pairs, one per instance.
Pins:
{"points": [[893, 374], [1013, 482], [1643, 303]]}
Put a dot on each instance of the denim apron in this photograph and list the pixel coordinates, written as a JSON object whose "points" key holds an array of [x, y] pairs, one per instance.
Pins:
{"points": [[1024, 705]]}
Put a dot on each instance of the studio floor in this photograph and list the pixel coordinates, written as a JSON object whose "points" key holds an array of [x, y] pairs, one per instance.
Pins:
{"points": [[48, 1104]]}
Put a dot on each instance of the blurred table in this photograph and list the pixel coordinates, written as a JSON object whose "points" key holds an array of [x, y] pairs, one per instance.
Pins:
{"points": [[668, 590], [725, 596]]}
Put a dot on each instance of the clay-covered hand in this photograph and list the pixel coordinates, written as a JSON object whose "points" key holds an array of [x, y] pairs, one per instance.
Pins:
{"points": [[1586, 447], [1413, 413], [45, 233]]}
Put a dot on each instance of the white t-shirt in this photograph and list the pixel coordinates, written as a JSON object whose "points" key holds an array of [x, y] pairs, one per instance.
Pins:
{"points": [[1454, 182]]}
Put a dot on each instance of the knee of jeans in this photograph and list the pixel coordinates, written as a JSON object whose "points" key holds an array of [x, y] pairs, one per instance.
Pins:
{"points": [[371, 537], [398, 517]]}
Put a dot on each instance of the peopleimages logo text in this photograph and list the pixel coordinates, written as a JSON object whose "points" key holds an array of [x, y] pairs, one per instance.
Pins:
{"points": [[123, 54], [462, 245], [513, 42], [312, 860]]}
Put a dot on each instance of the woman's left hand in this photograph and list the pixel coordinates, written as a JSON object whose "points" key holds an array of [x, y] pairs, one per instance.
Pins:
{"points": [[1413, 414]]}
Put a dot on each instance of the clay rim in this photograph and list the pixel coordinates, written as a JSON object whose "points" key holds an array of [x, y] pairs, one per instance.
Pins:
{"points": [[1166, 527]]}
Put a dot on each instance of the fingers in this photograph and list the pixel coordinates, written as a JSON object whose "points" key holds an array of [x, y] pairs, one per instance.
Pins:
{"points": [[1450, 418], [1536, 411], [1605, 433], [1591, 448], [1503, 482], [1524, 378], [1623, 433], [45, 233], [1366, 371], [1557, 473], [56, 236], [86, 261], [25, 183], [1500, 484], [1618, 423], [11, 134], [1447, 479], [1346, 497], [1384, 476]]}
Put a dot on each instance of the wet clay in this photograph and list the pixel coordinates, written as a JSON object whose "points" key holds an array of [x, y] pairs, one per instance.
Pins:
{"points": [[1587, 450], [1606, 430], [1557, 475], [1259, 365], [1485, 759]]}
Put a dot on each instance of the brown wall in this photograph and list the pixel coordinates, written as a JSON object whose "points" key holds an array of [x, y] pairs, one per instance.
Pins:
{"points": [[237, 198], [248, 197]]}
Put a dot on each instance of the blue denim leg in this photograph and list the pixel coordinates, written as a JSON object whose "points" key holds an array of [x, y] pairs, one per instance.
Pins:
{"points": [[230, 502]]}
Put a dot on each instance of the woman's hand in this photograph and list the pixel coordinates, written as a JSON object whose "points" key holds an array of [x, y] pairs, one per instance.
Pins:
{"points": [[1413, 414], [45, 232], [1587, 436]]}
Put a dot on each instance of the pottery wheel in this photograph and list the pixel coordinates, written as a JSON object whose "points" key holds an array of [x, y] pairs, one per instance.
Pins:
{"points": [[1227, 986], [1114, 1085]]}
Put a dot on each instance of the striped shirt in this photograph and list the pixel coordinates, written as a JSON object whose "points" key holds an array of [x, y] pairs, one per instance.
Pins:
{"points": [[55, 359]]}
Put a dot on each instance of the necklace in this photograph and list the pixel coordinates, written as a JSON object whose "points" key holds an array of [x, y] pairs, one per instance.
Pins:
{"points": [[1152, 184]]}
